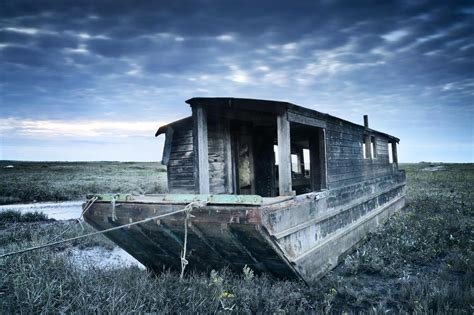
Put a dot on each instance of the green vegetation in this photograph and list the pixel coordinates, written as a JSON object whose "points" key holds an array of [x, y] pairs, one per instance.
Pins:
{"points": [[12, 216], [419, 261], [57, 181]]}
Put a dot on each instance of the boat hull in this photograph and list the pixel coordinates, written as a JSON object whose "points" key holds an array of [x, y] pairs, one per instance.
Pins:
{"points": [[217, 237], [301, 237]]}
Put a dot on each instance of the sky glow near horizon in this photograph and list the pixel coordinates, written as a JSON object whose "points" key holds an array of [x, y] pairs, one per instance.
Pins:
{"points": [[93, 80]]}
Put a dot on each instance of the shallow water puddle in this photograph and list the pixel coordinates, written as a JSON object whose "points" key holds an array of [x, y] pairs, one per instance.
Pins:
{"points": [[97, 257], [102, 258], [65, 210], [434, 168]]}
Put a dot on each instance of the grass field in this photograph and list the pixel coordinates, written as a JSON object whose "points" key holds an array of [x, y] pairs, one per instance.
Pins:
{"points": [[420, 261], [58, 181]]}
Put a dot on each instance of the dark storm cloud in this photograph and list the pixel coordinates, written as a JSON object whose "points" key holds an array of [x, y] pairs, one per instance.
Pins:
{"points": [[86, 58]]}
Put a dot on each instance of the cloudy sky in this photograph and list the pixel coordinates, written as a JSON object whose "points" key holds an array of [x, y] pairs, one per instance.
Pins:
{"points": [[93, 80]]}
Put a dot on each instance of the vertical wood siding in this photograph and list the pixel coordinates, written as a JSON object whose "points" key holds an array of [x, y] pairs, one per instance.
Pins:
{"points": [[345, 160], [181, 162]]}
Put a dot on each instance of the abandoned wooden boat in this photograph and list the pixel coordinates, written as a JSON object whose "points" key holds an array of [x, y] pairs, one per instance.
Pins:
{"points": [[286, 190]]}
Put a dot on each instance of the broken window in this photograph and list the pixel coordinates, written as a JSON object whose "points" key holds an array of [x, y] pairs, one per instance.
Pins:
{"points": [[307, 165], [366, 147], [308, 160], [373, 148], [390, 153], [275, 150]]}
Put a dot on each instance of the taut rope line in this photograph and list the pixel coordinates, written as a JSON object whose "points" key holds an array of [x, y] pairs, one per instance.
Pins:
{"points": [[89, 204], [187, 209]]}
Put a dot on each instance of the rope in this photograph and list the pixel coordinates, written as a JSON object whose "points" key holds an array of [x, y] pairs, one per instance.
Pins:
{"points": [[114, 215], [188, 208], [89, 204], [184, 261]]}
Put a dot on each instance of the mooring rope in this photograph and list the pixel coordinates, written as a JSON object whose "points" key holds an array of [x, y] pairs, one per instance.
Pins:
{"points": [[184, 262], [89, 204]]}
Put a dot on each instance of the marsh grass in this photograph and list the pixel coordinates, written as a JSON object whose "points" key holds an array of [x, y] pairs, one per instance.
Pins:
{"points": [[48, 281], [13, 216], [420, 261], [59, 181]]}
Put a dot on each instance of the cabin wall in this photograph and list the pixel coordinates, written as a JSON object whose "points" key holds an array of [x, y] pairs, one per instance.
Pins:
{"points": [[181, 162], [345, 162], [345, 159], [217, 130]]}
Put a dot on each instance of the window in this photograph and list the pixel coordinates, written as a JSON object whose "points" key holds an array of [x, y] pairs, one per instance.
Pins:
{"points": [[295, 164], [366, 152], [275, 150], [390, 153], [307, 165], [373, 148]]}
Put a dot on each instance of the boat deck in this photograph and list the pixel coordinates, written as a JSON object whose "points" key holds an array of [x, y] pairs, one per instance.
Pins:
{"points": [[176, 199]]}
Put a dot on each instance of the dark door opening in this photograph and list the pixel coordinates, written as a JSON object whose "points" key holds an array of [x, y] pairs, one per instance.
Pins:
{"points": [[242, 159], [308, 158]]}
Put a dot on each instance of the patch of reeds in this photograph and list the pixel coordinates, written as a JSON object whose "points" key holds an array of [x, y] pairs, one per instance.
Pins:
{"points": [[14, 216], [60, 181]]}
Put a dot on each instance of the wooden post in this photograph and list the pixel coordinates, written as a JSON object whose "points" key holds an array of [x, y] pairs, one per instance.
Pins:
{"points": [[284, 155], [322, 158], [251, 163], [201, 156], [317, 160], [229, 172], [314, 161]]}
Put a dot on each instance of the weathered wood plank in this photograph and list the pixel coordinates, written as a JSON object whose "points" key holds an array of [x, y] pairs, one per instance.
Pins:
{"points": [[359, 176], [181, 141], [182, 162], [228, 157], [201, 150], [181, 155], [315, 162], [305, 120], [284, 155], [184, 169], [322, 157], [183, 148], [181, 175]]}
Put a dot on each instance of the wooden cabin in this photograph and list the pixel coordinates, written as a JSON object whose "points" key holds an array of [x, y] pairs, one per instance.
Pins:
{"points": [[269, 148]]}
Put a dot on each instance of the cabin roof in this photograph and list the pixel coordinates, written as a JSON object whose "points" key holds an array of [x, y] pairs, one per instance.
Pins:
{"points": [[264, 106], [176, 123]]}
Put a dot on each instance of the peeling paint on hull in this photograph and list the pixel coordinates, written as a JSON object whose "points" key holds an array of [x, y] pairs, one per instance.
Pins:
{"points": [[293, 237]]}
